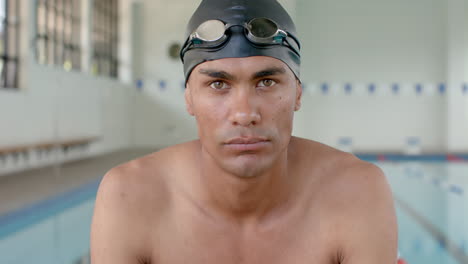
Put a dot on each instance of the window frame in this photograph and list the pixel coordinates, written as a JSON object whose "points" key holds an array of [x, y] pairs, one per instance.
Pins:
{"points": [[105, 38], [10, 63], [58, 33]]}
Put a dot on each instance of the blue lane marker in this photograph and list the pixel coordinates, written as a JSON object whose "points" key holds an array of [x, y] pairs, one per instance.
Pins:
{"points": [[456, 189], [345, 141], [418, 174], [324, 88], [139, 85], [395, 88], [465, 88], [419, 88], [182, 85], [413, 141], [442, 88], [372, 88], [401, 157], [12, 222], [162, 85], [416, 245], [348, 88], [442, 243]]}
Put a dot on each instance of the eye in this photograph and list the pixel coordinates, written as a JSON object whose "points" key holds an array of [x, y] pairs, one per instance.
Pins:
{"points": [[266, 83], [219, 85]]}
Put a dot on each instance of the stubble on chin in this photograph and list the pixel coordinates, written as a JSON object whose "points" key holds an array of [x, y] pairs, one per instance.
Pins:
{"points": [[246, 169]]}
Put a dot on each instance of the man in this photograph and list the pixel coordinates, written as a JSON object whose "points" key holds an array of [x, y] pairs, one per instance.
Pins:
{"points": [[246, 191]]}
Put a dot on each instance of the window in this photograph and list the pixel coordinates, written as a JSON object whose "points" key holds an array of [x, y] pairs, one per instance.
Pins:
{"points": [[9, 43], [105, 38], [58, 29]]}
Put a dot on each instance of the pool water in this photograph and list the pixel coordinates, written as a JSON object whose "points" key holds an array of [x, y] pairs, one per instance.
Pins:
{"points": [[430, 198], [432, 210], [54, 231]]}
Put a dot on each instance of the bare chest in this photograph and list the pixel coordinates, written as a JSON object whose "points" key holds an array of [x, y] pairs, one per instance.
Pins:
{"points": [[197, 243]]}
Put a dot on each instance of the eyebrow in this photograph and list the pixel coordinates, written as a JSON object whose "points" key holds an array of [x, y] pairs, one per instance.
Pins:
{"points": [[260, 74], [217, 74], [269, 72]]}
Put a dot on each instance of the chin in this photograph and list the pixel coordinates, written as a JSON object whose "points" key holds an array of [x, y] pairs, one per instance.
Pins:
{"points": [[247, 167]]}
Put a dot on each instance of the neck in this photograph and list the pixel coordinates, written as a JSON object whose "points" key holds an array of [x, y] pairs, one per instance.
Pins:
{"points": [[239, 199]]}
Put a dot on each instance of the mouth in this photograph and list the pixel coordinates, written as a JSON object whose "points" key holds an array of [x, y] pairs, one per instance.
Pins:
{"points": [[244, 144], [246, 140]]}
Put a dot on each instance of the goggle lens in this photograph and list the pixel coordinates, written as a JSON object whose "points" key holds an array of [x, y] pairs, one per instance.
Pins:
{"points": [[210, 30], [262, 28]]}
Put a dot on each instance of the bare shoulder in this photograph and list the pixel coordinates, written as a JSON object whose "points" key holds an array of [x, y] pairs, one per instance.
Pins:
{"points": [[348, 180], [145, 180], [130, 200], [369, 232], [358, 203], [334, 164]]}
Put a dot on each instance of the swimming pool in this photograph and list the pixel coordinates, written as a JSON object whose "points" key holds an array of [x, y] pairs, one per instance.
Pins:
{"points": [[432, 211], [53, 231]]}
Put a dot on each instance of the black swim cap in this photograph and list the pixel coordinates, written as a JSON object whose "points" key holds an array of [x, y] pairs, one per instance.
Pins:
{"points": [[240, 12]]}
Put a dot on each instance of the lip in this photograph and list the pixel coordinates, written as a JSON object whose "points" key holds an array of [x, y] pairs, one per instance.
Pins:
{"points": [[246, 143], [246, 140]]}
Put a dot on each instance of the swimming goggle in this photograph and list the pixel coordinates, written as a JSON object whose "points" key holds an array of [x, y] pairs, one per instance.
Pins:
{"points": [[212, 34]]}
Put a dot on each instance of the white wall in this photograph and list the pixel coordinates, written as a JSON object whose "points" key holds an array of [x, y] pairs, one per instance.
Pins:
{"points": [[383, 42], [61, 106], [373, 40], [160, 117], [457, 73], [375, 123]]}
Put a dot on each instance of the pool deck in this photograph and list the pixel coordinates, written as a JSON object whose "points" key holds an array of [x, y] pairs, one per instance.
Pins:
{"points": [[21, 189]]}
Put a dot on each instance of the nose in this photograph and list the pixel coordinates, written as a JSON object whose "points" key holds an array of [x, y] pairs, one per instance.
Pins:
{"points": [[244, 111]]}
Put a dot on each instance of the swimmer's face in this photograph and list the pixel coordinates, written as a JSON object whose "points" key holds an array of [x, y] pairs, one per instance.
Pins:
{"points": [[244, 109]]}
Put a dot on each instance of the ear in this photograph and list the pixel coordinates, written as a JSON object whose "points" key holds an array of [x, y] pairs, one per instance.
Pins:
{"points": [[188, 99], [298, 95]]}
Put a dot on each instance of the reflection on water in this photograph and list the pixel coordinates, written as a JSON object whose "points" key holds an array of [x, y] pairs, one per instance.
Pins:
{"points": [[86, 259], [432, 211]]}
